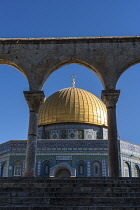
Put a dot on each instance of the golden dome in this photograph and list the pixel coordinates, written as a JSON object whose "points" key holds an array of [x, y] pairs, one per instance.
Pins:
{"points": [[73, 105]]}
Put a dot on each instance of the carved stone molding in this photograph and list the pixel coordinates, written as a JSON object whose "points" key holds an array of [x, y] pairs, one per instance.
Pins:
{"points": [[110, 97], [34, 99]]}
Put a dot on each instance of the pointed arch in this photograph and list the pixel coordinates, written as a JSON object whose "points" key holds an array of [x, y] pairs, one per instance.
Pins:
{"points": [[9, 63], [13, 104], [96, 168], [126, 67], [46, 168], [128, 101], [81, 168], [72, 61]]}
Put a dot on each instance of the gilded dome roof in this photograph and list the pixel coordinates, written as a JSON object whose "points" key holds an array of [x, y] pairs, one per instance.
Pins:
{"points": [[73, 105]]}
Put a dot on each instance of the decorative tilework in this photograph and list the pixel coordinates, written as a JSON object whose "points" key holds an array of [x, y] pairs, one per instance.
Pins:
{"points": [[63, 157], [45, 132], [105, 133], [89, 134], [80, 134], [88, 168], [86, 150], [64, 134], [39, 168], [23, 167], [72, 134], [54, 134], [104, 168]]}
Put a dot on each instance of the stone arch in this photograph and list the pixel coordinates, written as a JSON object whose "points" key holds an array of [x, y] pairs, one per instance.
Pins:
{"points": [[65, 62], [9, 63], [126, 67], [13, 81], [129, 85], [17, 67]]}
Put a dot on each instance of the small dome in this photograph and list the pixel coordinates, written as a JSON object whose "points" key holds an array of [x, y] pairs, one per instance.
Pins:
{"points": [[73, 105]]}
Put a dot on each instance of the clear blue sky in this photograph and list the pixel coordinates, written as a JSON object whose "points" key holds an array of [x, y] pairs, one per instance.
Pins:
{"points": [[68, 18]]}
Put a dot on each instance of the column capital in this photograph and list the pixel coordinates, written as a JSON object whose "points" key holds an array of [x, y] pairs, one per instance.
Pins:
{"points": [[110, 97], [34, 99]]}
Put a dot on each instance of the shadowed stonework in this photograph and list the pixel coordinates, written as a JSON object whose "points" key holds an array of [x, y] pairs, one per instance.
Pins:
{"points": [[70, 193]]}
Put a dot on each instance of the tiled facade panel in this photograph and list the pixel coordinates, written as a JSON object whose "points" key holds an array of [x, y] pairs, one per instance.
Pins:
{"points": [[72, 131], [62, 154]]}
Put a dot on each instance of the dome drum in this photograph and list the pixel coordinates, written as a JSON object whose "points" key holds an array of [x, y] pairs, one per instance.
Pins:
{"points": [[72, 131]]}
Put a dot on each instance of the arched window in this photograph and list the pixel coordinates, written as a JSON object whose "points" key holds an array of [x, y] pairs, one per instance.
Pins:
{"points": [[46, 168], [81, 168], [126, 169], [96, 169], [136, 171], [4, 170], [17, 168]]}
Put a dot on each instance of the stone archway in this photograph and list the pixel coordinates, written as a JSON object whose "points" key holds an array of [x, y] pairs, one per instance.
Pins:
{"points": [[108, 57], [63, 172]]}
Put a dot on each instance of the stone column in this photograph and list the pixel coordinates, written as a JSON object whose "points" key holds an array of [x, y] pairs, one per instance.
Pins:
{"points": [[34, 100], [110, 98]]}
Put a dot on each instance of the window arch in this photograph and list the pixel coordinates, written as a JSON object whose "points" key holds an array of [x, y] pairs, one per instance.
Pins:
{"points": [[4, 170], [136, 171], [17, 168], [96, 169], [126, 169], [46, 168], [81, 168]]}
